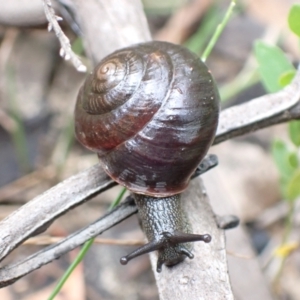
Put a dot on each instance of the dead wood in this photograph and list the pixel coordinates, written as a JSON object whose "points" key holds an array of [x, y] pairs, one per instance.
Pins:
{"points": [[209, 268]]}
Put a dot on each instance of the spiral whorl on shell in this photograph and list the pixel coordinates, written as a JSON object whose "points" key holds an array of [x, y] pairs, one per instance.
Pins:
{"points": [[150, 111]]}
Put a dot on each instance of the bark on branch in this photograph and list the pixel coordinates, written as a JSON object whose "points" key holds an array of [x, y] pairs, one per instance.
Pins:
{"points": [[208, 270]]}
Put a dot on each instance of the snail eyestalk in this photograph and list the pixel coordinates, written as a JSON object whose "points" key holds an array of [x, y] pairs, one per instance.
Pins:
{"points": [[167, 230], [169, 239], [171, 242]]}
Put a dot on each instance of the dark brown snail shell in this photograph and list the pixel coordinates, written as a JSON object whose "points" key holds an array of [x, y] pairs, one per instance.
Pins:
{"points": [[150, 111]]}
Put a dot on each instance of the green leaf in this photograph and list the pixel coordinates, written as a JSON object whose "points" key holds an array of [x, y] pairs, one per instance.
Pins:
{"points": [[272, 64], [293, 187], [286, 78], [283, 188], [77, 46], [293, 160], [294, 131], [294, 19], [281, 156]]}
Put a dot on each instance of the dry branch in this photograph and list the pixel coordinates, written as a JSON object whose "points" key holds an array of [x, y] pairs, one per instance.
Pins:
{"points": [[65, 51], [22, 13], [9, 274], [261, 112], [122, 23], [206, 276], [42, 210], [97, 182], [50, 240], [36, 215]]}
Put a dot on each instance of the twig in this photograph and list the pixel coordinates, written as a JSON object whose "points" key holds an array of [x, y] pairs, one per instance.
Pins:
{"points": [[9, 39], [83, 251], [50, 240], [123, 23], [218, 31], [239, 255], [20, 185], [260, 112], [276, 213], [45, 208], [63, 197], [7, 122], [26, 13], [65, 50], [40, 212], [11, 273], [204, 277]]}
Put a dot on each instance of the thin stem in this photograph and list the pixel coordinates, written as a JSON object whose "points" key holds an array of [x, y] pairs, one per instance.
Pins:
{"points": [[197, 42], [71, 268], [18, 134], [287, 231], [288, 222], [218, 31], [87, 245], [66, 50], [64, 144], [118, 199]]}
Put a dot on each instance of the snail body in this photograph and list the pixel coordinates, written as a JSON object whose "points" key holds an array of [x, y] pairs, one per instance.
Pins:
{"points": [[150, 111]]}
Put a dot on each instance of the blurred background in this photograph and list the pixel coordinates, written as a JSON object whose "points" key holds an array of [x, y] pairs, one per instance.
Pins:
{"points": [[38, 90]]}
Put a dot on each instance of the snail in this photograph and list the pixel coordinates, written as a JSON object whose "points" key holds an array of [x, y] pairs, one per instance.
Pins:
{"points": [[150, 112]]}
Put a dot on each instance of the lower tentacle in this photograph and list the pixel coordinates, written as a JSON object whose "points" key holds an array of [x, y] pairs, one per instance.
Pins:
{"points": [[167, 230]]}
